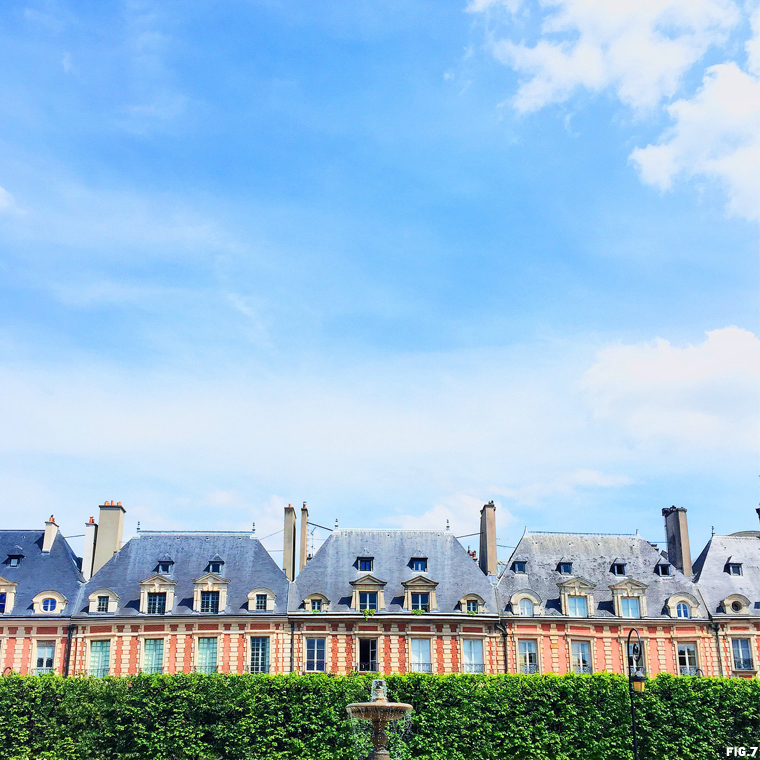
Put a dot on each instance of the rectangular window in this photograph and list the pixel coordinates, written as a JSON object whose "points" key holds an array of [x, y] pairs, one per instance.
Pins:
{"points": [[577, 606], [421, 656], [259, 654], [472, 605], [742, 654], [156, 603], [630, 607], [566, 568], [316, 605], [103, 604], [14, 562], [45, 654], [662, 569], [687, 659], [419, 565], [100, 654], [153, 656], [368, 600], [580, 652], [2, 602], [472, 650], [365, 564], [206, 655], [618, 569], [527, 656], [734, 568], [315, 655], [261, 602], [210, 601], [420, 601], [519, 567], [368, 655]]}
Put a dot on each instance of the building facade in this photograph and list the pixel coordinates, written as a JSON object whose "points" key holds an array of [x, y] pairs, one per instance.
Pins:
{"points": [[390, 601]]}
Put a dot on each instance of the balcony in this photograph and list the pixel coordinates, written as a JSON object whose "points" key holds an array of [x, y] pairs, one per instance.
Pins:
{"points": [[529, 670], [743, 664], [205, 668], [582, 669], [98, 672], [368, 667], [690, 671], [422, 667], [42, 671], [474, 667]]}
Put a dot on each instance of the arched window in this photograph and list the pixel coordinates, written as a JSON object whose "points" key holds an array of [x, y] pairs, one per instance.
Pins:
{"points": [[526, 608], [682, 610]]}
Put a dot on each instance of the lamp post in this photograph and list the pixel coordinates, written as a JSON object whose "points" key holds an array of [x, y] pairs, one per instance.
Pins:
{"points": [[636, 681]]}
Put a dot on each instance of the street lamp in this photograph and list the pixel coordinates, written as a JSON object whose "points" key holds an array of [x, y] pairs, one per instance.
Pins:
{"points": [[636, 681]]}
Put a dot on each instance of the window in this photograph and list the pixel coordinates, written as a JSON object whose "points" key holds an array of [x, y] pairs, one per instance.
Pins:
{"points": [[736, 606], [734, 568], [527, 608], [102, 604], [580, 654], [368, 655], [420, 601], [156, 603], [14, 561], [365, 564], [682, 610], [629, 606], [261, 602], [206, 655], [472, 605], [618, 568], [2, 602], [100, 653], [421, 656], [662, 569], [164, 568], [210, 602], [473, 655], [742, 654], [215, 567], [519, 567], [577, 606], [315, 655], [419, 564], [527, 656], [368, 600], [45, 654], [687, 659], [49, 604], [316, 605], [566, 568], [153, 656], [259, 654]]}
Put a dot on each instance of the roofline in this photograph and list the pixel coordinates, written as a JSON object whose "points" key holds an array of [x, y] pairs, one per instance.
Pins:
{"points": [[195, 533], [393, 530], [564, 533]]}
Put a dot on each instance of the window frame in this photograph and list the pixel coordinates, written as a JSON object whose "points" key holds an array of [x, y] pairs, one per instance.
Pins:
{"points": [[417, 665], [152, 598], [365, 564], [734, 566], [210, 598], [524, 665], [312, 658], [584, 669], [366, 666], [684, 665], [472, 664], [740, 663], [419, 564], [565, 568], [629, 601], [574, 600], [529, 601], [520, 567], [153, 668], [206, 667], [102, 670], [419, 604], [263, 664]]}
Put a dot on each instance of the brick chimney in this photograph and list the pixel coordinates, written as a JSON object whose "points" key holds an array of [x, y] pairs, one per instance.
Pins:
{"points": [[488, 539], [51, 531], [677, 534], [304, 537], [110, 531], [289, 539], [90, 537]]}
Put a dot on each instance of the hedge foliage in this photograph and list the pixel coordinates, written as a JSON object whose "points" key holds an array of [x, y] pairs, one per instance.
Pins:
{"points": [[293, 717]]}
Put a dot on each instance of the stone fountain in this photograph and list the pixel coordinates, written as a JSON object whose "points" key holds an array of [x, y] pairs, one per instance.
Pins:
{"points": [[379, 712]]}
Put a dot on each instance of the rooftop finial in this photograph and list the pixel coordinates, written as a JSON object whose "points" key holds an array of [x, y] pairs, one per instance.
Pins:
{"points": [[336, 523], [138, 526], [448, 527], [253, 527]]}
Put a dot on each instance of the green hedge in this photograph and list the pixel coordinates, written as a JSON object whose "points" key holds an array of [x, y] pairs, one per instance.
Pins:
{"points": [[199, 717]]}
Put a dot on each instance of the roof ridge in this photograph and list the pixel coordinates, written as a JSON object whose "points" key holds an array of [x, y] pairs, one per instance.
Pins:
{"points": [[567, 533]]}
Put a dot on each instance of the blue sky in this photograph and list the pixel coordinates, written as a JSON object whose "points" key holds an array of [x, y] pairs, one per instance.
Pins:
{"points": [[392, 258]]}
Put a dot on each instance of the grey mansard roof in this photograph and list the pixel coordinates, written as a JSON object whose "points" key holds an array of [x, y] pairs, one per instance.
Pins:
{"points": [[716, 584], [592, 556], [247, 566], [334, 566], [56, 570]]}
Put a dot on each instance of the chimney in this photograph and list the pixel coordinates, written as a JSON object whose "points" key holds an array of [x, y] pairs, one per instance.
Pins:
{"points": [[677, 534], [51, 531], [289, 553], [488, 539], [758, 511], [109, 533], [90, 537], [304, 536]]}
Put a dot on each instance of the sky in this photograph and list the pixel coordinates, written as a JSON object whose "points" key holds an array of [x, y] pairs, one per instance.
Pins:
{"points": [[394, 258]]}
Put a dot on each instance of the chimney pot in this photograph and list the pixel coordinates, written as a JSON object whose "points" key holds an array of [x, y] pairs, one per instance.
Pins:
{"points": [[488, 539], [118, 503], [51, 531], [677, 535]]}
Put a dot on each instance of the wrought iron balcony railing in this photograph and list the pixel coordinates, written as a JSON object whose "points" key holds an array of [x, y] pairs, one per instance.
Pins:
{"points": [[422, 667], [582, 669], [99, 672], [474, 667], [368, 667], [530, 669], [741, 663], [205, 668], [689, 670], [42, 671]]}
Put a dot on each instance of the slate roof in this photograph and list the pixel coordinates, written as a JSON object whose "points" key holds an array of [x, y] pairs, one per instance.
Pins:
{"points": [[716, 584], [247, 565], [56, 570], [334, 566], [592, 556]]}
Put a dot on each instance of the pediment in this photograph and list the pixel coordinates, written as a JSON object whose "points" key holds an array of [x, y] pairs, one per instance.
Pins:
{"points": [[158, 580], [576, 582], [8, 584], [629, 583], [211, 578], [419, 580], [368, 580]]}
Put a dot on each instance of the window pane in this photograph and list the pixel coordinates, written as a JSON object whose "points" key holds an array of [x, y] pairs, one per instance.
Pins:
{"points": [[207, 655], [578, 606], [682, 610], [581, 656], [102, 604], [315, 654], [473, 655], [526, 608], [421, 656], [153, 656], [472, 605], [420, 601], [45, 654], [368, 600], [210, 601], [259, 654], [367, 655], [100, 652], [156, 604], [742, 654], [2, 602], [261, 602], [630, 607], [527, 655], [687, 659]]}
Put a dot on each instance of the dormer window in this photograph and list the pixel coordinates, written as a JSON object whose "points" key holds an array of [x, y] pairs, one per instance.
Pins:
{"points": [[519, 566], [14, 561], [49, 604], [662, 569], [473, 606], [215, 567], [566, 568], [316, 605], [165, 568], [618, 568], [365, 564], [734, 568], [419, 564], [368, 600]]}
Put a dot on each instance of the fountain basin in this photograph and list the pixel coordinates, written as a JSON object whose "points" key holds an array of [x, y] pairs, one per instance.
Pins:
{"points": [[379, 711]]}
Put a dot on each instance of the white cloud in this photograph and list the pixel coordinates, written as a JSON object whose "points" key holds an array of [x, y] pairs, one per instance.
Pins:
{"points": [[705, 395], [7, 201], [565, 484]]}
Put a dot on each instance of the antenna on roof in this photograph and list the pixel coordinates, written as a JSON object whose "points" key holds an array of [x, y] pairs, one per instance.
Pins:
{"points": [[713, 531], [253, 527], [138, 526], [336, 523], [448, 527]]}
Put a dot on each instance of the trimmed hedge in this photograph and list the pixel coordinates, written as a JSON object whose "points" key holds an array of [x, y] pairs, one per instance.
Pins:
{"points": [[456, 717]]}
